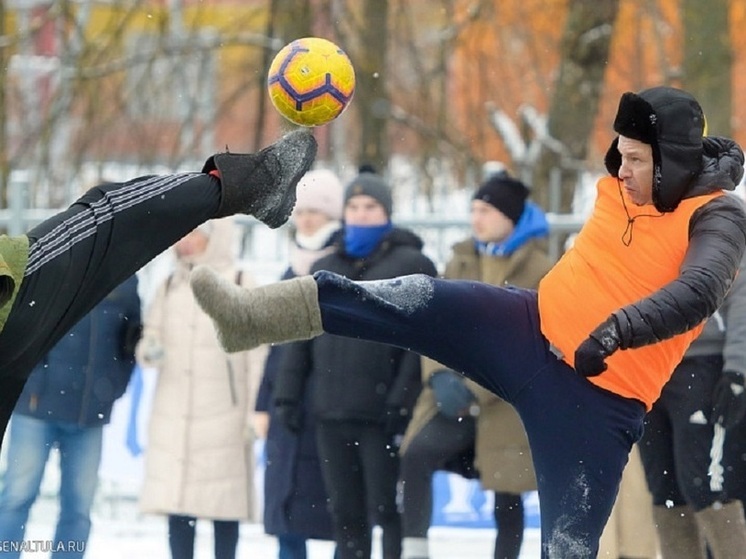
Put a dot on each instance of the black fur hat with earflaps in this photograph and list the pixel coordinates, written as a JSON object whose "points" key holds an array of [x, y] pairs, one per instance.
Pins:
{"points": [[671, 121]]}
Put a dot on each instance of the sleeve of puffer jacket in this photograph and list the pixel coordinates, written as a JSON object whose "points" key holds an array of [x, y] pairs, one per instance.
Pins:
{"points": [[717, 237], [408, 382], [293, 371], [734, 352]]}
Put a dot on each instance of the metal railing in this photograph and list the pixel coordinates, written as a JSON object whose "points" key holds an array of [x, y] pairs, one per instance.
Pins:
{"points": [[262, 246]]}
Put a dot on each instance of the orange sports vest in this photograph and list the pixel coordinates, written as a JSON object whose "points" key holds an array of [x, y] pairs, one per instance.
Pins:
{"points": [[599, 275]]}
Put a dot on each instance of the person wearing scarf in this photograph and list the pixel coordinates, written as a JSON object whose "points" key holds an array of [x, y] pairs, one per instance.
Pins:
{"points": [[361, 394]]}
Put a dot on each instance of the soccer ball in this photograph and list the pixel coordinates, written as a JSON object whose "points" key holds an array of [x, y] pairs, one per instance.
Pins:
{"points": [[311, 81]]}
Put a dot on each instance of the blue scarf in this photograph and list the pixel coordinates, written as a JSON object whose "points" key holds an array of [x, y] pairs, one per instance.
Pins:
{"points": [[532, 224], [361, 240]]}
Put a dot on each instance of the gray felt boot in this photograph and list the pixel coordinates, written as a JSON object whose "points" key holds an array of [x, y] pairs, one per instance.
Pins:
{"points": [[247, 318], [263, 184], [724, 529], [678, 534]]}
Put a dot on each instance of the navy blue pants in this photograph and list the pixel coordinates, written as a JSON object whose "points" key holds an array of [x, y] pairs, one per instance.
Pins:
{"points": [[580, 435]]}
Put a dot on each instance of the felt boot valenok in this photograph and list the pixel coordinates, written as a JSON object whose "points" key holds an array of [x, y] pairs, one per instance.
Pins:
{"points": [[678, 533], [247, 318], [263, 184], [724, 529]]}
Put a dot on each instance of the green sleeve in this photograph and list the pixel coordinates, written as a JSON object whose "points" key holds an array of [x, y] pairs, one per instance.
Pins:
{"points": [[13, 259]]}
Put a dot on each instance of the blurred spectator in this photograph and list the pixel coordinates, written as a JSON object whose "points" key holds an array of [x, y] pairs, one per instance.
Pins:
{"points": [[199, 454], [458, 425], [694, 495], [361, 416], [630, 531], [295, 502], [65, 404]]}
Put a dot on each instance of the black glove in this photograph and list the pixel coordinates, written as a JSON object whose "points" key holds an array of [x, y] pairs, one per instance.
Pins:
{"points": [[591, 354], [290, 415], [728, 400], [452, 396], [395, 420]]}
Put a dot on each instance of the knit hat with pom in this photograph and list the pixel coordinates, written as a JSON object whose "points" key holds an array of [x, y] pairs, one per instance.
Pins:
{"points": [[321, 190]]}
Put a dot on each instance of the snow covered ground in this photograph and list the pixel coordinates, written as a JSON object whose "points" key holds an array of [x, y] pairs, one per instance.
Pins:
{"points": [[120, 532]]}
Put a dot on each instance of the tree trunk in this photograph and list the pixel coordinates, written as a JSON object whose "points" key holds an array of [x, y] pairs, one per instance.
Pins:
{"points": [[4, 167], [287, 20], [371, 95], [707, 61], [584, 55]]}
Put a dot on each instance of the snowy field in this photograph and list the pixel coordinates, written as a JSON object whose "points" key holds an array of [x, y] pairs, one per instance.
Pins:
{"points": [[119, 532]]}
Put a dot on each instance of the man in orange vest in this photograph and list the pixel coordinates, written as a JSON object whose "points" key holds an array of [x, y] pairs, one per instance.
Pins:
{"points": [[583, 358]]}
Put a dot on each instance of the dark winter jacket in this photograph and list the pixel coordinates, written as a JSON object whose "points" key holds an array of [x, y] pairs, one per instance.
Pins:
{"points": [[295, 499], [725, 331], [353, 379], [79, 379]]}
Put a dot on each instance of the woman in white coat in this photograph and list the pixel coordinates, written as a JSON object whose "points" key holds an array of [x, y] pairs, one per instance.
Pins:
{"points": [[198, 460]]}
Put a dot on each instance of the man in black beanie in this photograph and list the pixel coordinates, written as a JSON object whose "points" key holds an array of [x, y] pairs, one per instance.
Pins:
{"points": [[458, 425], [504, 193]]}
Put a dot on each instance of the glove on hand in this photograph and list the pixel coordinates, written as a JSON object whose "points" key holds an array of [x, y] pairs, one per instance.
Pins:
{"points": [[728, 400], [395, 420], [452, 396], [290, 415], [591, 354]]}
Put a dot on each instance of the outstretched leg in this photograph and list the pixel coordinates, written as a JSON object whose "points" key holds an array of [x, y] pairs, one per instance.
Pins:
{"points": [[77, 257], [470, 327]]}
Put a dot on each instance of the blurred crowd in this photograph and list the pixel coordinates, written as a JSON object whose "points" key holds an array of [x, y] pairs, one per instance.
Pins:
{"points": [[355, 431]]}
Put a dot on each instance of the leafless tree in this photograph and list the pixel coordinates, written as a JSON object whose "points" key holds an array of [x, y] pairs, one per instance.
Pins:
{"points": [[707, 51]]}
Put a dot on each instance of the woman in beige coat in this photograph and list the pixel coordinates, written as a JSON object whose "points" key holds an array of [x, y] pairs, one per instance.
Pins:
{"points": [[198, 461], [480, 431]]}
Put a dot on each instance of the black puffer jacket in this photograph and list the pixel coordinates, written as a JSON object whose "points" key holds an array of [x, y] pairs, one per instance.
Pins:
{"points": [[717, 237], [353, 379]]}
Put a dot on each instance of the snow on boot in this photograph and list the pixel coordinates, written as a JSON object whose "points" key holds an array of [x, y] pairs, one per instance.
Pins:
{"points": [[247, 318], [263, 184]]}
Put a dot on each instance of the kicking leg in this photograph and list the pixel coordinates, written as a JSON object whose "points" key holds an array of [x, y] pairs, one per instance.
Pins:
{"points": [[77, 257], [470, 327], [580, 437]]}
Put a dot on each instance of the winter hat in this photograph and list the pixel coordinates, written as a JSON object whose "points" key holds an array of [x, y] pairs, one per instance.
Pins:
{"points": [[320, 190], [504, 193], [369, 183], [671, 121]]}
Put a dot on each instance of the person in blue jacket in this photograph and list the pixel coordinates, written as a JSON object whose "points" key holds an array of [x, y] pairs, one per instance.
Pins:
{"points": [[65, 404]]}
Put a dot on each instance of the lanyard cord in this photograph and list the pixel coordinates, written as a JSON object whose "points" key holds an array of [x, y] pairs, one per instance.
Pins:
{"points": [[627, 235]]}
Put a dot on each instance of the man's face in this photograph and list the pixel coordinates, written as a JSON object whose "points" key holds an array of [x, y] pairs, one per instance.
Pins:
{"points": [[636, 170], [488, 224], [365, 210], [308, 221], [191, 244]]}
